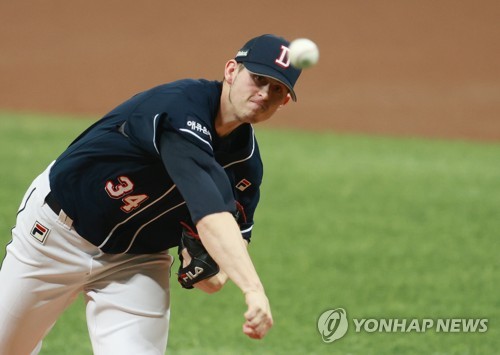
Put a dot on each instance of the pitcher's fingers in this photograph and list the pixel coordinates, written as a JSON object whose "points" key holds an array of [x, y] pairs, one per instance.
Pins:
{"points": [[252, 332]]}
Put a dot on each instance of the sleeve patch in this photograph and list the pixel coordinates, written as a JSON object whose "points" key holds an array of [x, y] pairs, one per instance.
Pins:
{"points": [[199, 128]]}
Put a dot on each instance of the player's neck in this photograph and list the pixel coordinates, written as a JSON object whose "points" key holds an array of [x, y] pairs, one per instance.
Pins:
{"points": [[226, 120], [224, 124]]}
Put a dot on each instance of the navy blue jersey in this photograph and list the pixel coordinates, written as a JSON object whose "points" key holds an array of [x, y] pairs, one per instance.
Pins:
{"points": [[153, 163]]}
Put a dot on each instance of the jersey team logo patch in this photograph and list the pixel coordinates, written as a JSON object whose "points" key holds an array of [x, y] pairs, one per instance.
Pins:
{"points": [[40, 232], [198, 127], [243, 185]]}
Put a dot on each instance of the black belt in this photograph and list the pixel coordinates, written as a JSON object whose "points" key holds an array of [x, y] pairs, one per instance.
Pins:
{"points": [[51, 201]]}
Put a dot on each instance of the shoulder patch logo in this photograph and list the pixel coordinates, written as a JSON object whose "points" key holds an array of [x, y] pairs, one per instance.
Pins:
{"points": [[40, 232], [198, 127], [243, 185]]}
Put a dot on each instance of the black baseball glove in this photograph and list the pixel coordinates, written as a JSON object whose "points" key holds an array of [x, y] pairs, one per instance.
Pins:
{"points": [[201, 267]]}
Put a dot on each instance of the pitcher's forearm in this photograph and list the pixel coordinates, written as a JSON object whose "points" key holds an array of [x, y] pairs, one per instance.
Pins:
{"points": [[221, 237]]}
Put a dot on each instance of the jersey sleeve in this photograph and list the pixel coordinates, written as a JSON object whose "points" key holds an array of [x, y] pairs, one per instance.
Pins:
{"points": [[186, 106], [201, 181]]}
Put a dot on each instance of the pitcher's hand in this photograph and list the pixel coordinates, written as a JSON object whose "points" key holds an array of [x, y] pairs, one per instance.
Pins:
{"points": [[258, 316]]}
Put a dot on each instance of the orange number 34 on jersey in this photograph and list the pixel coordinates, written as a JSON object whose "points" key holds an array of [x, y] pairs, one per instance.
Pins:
{"points": [[123, 190]]}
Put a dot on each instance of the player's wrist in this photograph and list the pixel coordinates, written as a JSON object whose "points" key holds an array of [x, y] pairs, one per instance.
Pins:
{"points": [[212, 284], [251, 289]]}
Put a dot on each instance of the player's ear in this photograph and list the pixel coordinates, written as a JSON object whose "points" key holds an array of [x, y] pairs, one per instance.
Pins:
{"points": [[230, 71], [286, 100]]}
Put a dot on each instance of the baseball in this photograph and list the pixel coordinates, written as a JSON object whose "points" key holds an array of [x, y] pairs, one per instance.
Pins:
{"points": [[304, 53]]}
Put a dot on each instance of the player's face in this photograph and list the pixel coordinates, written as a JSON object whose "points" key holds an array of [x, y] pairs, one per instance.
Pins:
{"points": [[255, 98]]}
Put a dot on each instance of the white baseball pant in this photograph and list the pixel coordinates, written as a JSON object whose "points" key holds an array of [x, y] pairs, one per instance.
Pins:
{"points": [[48, 264]]}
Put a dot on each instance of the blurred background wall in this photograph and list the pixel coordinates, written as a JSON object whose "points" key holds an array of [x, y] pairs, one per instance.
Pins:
{"points": [[408, 67]]}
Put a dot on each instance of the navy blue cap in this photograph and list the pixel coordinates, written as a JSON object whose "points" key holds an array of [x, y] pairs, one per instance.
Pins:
{"points": [[267, 55]]}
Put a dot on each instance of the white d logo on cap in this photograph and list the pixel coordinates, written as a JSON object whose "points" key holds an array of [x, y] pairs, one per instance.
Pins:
{"points": [[283, 56]]}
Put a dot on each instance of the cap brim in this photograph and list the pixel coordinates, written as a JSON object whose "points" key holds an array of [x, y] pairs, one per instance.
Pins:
{"points": [[266, 71]]}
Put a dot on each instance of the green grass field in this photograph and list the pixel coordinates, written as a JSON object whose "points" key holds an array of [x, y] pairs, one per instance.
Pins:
{"points": [[382, 227]]}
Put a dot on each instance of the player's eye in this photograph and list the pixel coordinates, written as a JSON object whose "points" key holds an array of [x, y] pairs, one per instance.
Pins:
{"points": [[278, 89], [260, 80]]}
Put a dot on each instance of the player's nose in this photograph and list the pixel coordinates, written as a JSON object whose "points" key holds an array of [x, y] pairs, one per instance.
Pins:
{"points": [[264, 90]]}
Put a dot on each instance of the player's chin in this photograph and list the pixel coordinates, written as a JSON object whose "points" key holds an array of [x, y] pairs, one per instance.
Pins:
{"points": [[258, 113], [260, 117]]}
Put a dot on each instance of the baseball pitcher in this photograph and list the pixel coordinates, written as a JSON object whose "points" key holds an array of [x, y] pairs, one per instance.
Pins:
{"points": [[177, 166]]}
